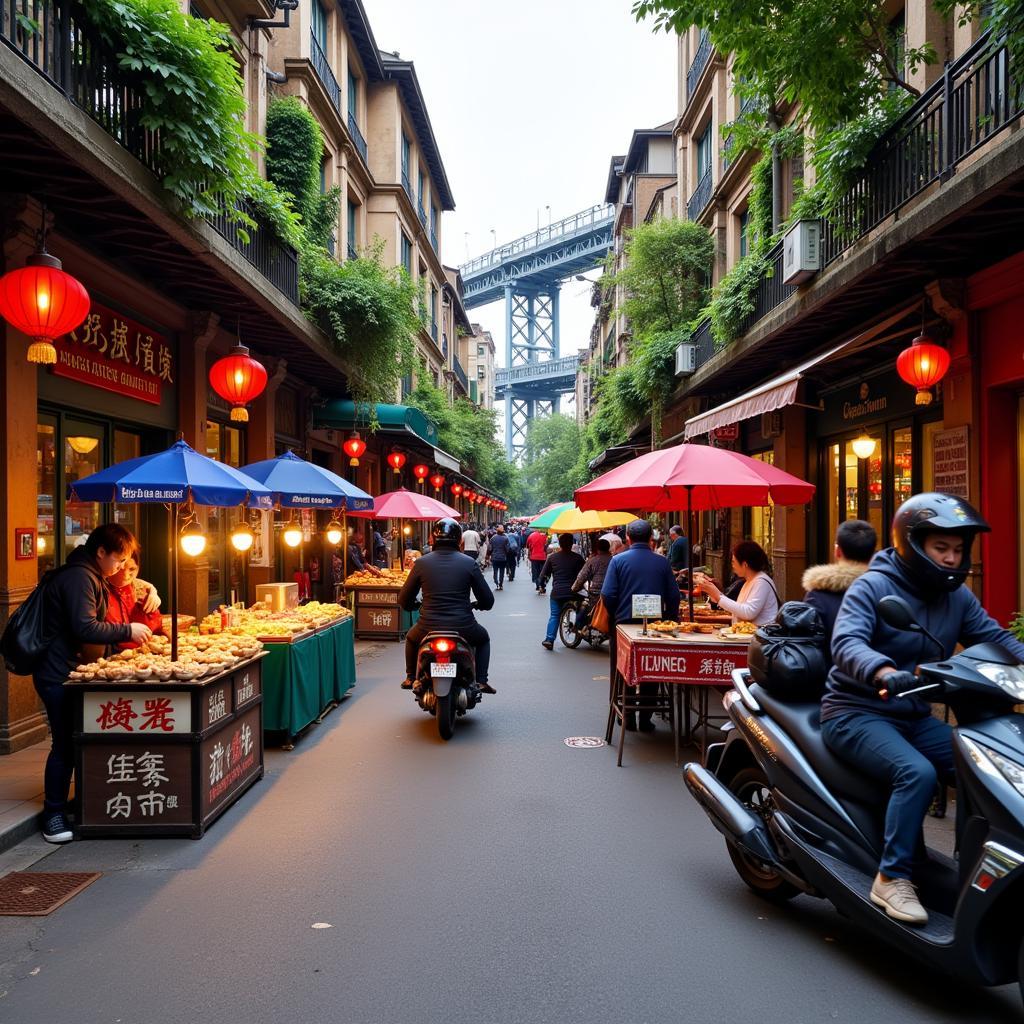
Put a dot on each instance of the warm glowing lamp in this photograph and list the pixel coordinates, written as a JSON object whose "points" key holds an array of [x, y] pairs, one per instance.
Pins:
{"points": [[396, 460], [354, 448], [193, 540], [922, 366], [421, 472], [438, 481], [238, 379], [83, 445], [292, 534], [864, 446], [242, 537], [333, 532]]}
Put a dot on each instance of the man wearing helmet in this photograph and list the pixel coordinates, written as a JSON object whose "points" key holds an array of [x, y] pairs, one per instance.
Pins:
{"points": [[446, 577], [898, 742]]}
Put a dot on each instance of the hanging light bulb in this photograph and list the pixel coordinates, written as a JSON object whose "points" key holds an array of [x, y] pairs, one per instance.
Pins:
{"points": [[292, 534], [864, 446], [242, 536], [333, 532], [193, 539]]}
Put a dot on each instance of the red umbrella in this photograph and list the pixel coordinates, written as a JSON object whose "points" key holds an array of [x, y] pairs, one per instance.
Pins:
{"points": [[692, 476], [403, 504]]}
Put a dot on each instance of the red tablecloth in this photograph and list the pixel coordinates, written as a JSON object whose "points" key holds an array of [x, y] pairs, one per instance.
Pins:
{"points": [[689, 660]]}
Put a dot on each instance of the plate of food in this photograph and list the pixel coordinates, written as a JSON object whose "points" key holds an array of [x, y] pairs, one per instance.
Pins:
{"points": [[696, 627], [663, 626], [739, 631]]}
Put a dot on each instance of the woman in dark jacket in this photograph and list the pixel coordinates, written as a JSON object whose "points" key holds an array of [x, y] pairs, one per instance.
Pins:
{"points": [[75, 606]]}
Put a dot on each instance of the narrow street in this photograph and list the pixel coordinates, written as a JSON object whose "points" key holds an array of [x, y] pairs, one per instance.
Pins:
{"points": [[500, 877]]}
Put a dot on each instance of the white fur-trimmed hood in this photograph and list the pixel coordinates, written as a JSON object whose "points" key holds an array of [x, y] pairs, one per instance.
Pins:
{"points": [[836, 576]]}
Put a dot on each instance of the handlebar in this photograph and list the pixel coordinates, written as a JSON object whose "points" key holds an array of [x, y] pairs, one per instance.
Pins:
{"points": [[902, 684]]}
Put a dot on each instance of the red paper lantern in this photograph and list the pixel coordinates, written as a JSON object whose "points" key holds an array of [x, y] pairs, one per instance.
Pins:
{"points": [[438, 481], [396, 460], [421, 472], [456, 489], [354, 448], [44, 302], [238, 379], [922, 366]]}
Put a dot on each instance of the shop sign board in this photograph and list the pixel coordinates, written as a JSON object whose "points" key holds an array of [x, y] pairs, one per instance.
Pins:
{"points": [[384, 596], [377, 620], [646, 606], [247, 687], [879, 398], [137, 712], [112, 352], [730, 432], [129, 784], [228, 760], [952, 462]]}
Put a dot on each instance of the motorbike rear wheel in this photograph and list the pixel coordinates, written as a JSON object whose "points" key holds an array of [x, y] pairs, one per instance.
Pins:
{"points": [[568, 630], [446, 710], [751, 787]]}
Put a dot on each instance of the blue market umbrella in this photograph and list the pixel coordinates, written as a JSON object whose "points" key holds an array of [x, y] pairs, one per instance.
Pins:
{"points": [[295, 483], [173, 477]]}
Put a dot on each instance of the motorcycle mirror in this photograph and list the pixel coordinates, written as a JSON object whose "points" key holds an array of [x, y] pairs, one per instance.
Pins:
{"points": [[896, 612]]}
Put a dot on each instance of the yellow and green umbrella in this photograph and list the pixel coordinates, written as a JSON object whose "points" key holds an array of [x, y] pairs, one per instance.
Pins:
{"points": [[548, 516], [574, 520]]}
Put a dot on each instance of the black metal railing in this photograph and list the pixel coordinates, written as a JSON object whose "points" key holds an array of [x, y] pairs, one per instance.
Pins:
{"points": [[701, 196], [52, 37], [406, 183], [357, 135], [323, 70], [352, 254], [728, 143], [704, 340], [460, 374], [699, 63]]}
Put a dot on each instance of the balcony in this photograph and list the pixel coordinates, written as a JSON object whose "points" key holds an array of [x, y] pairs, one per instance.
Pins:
{"points": [[698, 64], [323, 71], [460, 375], [357, 136], [407, 184], [79, 64], [701, 196]]}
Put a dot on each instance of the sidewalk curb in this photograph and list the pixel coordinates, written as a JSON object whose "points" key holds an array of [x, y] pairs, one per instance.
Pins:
{"points": [[20, 830]]}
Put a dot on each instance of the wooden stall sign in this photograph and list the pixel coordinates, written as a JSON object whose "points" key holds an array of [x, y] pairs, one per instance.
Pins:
{"points": [[228, 760], [129, 784]]}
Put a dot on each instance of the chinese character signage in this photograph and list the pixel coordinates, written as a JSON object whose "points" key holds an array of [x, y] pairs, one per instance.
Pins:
{"points": [[136, 785], [110, 351], [228, 759], [142, 713], [952, 462]]}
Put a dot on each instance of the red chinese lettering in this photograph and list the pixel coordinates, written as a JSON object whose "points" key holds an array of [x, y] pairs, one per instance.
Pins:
{"points": [[157, 715], [116, 715]]}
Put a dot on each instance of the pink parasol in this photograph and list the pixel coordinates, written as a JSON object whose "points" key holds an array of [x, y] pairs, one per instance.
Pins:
{"points": [[403, 504]]}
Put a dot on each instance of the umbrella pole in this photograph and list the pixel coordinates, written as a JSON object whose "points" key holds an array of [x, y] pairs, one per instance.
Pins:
{"points": [[689, 545], [173, 525]]}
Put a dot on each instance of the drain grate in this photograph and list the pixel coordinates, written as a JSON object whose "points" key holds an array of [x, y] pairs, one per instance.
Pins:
{"points": [[38, 893]]}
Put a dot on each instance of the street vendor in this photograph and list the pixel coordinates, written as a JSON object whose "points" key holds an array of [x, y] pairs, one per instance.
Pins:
{"points": [[130, 599], [758, 600]]}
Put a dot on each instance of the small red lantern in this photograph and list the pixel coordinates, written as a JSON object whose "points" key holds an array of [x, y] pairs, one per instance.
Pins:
{"points": [[354, 448], [438, 481], [922, 366], [396, 460], [421, 472], [44, 302], [238, 379], [456, 489]]}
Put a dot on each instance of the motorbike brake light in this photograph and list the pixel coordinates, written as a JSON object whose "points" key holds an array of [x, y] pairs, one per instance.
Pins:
{"points": [[442, 646]]}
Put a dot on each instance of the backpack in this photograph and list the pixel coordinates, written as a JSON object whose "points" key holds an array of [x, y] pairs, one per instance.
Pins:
{"points": [[788, 657], [25, 638]]}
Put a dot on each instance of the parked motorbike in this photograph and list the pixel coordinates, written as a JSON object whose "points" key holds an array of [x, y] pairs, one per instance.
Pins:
{"points": [[796, 819], [445, 683], [574, 623]]}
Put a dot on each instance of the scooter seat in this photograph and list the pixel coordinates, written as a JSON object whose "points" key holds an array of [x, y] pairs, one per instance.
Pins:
{"points": [[802, 723]]}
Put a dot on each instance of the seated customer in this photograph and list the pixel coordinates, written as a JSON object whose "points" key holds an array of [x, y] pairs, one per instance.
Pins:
{"points": [[758, 600], [826, 585]]}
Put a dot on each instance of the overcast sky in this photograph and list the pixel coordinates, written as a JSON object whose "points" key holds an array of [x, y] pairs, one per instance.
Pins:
{"points": [[528, 102]]}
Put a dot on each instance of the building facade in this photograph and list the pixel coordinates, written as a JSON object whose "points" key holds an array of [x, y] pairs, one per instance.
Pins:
{"points": [[481, 360]]}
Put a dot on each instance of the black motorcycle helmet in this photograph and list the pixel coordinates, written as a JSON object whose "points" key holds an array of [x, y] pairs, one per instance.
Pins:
{"points": [[446, 533], [932, 512]]}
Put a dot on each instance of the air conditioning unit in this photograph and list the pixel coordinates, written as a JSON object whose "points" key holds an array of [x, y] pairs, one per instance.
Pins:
{"points": [[686, 359], [801, 251]]}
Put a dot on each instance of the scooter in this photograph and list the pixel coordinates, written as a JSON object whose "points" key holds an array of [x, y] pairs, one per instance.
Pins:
{"points": [[445, 684], [574, 623], [796, 819]]}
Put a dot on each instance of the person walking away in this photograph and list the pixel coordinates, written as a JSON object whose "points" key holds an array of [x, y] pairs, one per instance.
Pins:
{"points": [[898, 743], [826, 585], [448, 578], [591, 577], [471, 541], [562, 567], [513, 554], [75, 607], [537, 548], [637, 570], [758, 600], [498, 548]]}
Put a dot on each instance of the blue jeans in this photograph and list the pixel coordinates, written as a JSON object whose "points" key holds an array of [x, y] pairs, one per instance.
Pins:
{"points": [[557, 604], [498, 571], [905, 756]]}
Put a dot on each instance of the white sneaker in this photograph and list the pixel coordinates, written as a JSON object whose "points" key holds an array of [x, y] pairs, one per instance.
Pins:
{"points": [[899, 899]]}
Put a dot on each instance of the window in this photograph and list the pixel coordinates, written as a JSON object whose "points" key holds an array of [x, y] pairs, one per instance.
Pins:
{"points": [[433, 312], [407, 254], [353, 212], [704, 153], [479, 351], [744, 219], [481, 372], [353, 95], [320, 25], [420, 188], [406, 150], [433, 223]]}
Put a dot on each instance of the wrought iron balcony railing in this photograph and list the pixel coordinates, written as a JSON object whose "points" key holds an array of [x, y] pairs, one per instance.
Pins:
{"points": [[699, 63], [68, 54], [701, 196], [323, 70], [357, 135], [460, 374]]}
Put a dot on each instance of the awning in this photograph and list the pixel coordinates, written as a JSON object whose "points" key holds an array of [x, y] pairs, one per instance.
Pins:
{"points": [[446, 461], [779, 391]]}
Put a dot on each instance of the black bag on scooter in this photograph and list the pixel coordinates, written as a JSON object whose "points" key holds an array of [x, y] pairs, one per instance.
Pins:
{"points": [[788, 657]]}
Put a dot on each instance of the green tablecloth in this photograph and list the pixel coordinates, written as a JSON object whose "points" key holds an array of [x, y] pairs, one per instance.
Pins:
{"points": [[301, 679]]}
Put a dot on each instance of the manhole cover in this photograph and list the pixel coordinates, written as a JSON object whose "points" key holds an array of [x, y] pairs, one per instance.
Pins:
{"points": [[38, 893], [584, 741]]}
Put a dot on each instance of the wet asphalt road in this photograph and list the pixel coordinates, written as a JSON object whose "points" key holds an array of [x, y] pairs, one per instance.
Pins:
{"points": [[502, 877]]}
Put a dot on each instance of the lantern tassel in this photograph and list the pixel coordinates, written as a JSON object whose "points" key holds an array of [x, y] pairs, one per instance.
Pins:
{"points": [[42, 352], [239, 414]]}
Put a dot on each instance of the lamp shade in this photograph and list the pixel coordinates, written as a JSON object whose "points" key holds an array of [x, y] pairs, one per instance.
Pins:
{"points": [[922, 366], [864, 446], [396, 460], [44, 302], [354, 448], [238, 379]]}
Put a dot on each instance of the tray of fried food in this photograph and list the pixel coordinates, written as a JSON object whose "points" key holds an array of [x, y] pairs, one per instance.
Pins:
{"points": [[664, 626], [740, 631], [696, 627]]}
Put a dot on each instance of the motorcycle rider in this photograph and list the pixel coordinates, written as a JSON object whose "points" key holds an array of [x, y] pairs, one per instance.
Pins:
{"points": [[447, 576], [897, 741]]}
